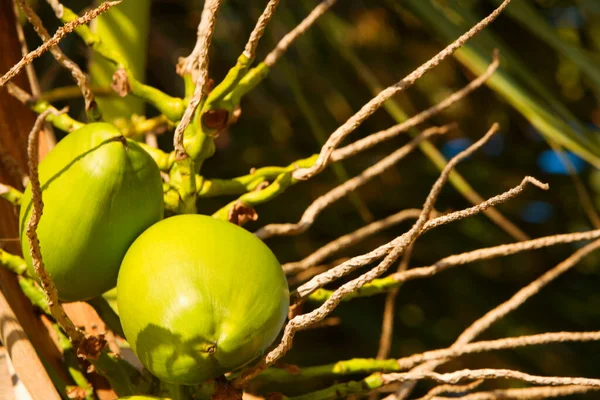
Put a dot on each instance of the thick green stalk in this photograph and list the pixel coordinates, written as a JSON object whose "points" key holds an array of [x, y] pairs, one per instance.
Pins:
{"points": [[63, 121], [377, 286], [10, 194], [282, 181], [343, 390], [14, 263], [34, 293], [282, 376], [171, 107], [125, 30]]}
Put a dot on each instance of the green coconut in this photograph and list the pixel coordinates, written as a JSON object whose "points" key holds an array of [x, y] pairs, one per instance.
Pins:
{"points": [[100, 192], [199, 297]]}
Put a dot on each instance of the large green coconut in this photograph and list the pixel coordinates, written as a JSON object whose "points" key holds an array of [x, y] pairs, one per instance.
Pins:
{"points": [[100, 192], [199, 297]]}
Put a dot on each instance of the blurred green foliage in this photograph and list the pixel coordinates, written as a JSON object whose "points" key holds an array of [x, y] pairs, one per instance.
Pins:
{"points": [[547, 89]]}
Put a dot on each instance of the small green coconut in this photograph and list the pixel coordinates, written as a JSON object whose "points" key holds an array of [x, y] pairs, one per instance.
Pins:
{"points": [[199, 297], [100, 192]]}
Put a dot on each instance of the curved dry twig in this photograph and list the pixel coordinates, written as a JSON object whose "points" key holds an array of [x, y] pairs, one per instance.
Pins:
{"points": [[58, 36], [373, 105], [288, 39], [499, 344], [378, 137], [196, 65], [532, 393], [350, 239], [36, 255], [455, 389], [488, 373], [389, 309], [311, 213], [259, 29]]}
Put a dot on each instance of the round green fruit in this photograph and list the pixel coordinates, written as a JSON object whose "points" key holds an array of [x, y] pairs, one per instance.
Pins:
{"points": [[199, 297], [100, 192]]}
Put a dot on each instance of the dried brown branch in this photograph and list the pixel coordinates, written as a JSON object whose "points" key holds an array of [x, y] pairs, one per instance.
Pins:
{"points": [[368, 109], [80, 77], [259, 29], [311, 213], [288, 39], [196, 65], [545, 392], [505, 308], [387, 325], [472, 374], [349, 240], [455, 389], [36, 255], [58, 36], [376, 138], [500, 344]]}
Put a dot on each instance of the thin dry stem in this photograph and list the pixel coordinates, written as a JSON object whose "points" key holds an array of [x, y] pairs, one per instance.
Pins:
{"points": [[58, 36], [259, 29], [288, 39], [376, 138], [387, 325], [505, 308], [81, 78], [492, 252], [36, 255], [455, 389], [544, 392], [488, 373], [349, 240], [311, 213], [374, 104], [500, 344], [196, 64]]}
